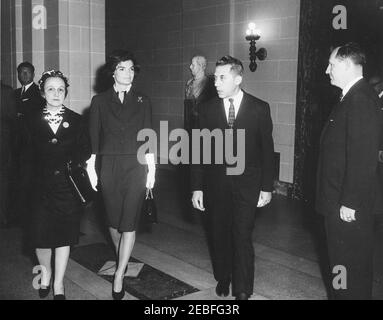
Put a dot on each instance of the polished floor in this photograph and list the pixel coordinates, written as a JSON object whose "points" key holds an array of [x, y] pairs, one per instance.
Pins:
{"points": [[288, 245]]}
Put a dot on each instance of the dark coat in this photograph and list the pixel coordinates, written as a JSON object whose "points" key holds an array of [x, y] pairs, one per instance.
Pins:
{"points": [[114, 126], [49, 152], [347, 168], [254, 117]]}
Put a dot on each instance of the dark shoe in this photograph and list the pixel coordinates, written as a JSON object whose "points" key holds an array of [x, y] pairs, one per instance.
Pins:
{"points": [[222, 288], [59, 297], [118, 295], [44, 292], [242, 296]]}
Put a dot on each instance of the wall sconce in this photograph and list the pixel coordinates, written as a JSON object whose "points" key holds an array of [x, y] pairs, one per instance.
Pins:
{"points": [[253, 34]]}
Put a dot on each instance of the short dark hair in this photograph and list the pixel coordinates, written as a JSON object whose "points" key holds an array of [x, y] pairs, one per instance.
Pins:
{"points": [[236, 64], [352, 51], [53, 74], [26, 64], [119, 56]]}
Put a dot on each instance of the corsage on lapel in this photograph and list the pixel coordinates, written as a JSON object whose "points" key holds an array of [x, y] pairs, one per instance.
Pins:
{"points": [[66, 125], [140, 100]]}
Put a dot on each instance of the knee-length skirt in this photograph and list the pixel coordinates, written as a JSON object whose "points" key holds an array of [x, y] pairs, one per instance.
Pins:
{"points": [[56, 214], [123, 181]]}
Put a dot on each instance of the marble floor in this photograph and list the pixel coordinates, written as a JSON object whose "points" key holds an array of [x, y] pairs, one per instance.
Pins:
{"points": [[287, 238]]}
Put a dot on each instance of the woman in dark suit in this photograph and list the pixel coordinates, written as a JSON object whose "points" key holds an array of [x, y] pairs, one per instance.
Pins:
{"points": [[116, 117], [55, 136]]}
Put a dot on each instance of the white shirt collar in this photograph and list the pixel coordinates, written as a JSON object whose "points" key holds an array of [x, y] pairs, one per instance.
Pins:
{"points": [[349, 85], [237, 103], [118, 89], [27, 86]]}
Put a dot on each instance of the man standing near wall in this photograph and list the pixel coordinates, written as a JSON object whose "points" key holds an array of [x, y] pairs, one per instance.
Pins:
{"points": [[231, 200], [347, 175]]}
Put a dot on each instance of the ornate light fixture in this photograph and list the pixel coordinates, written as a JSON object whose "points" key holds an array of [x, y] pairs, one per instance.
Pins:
{"points": [[252, 35]]}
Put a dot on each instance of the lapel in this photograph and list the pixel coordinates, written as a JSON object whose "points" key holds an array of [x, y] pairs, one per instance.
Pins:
{"points": [[66, 119], [116, 105], [241, 116], [222, 114], [45, 128]]}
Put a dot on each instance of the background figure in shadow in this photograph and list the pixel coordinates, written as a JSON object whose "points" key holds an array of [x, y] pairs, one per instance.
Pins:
{"points": [[199, 88], [7, 120]]}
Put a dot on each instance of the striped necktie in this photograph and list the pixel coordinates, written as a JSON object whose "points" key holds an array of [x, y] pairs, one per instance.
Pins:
{"points": [[231, 114]]}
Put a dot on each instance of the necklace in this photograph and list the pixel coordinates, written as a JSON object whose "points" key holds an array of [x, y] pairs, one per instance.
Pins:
{"points": [[53, 118]]}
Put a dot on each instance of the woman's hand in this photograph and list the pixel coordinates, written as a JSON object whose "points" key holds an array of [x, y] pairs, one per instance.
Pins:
{"points": [[91, 169], [151, 176]]}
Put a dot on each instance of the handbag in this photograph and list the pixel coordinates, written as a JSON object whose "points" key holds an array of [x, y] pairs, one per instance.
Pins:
{"points": [[79, 179], [149, 209]]}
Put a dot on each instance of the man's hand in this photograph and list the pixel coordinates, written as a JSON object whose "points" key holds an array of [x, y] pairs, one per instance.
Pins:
{"points": [[347, 214], [264, 199], [198, 200]]}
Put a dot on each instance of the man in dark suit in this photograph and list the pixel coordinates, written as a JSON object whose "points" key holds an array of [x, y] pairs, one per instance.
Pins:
{"points": [[28, 97], [28, 102], [231, 200], [347, 175], [7, 119]]}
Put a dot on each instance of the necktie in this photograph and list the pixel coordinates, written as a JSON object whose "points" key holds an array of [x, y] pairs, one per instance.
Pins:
{"points": [[231, 114], [121, 95]]}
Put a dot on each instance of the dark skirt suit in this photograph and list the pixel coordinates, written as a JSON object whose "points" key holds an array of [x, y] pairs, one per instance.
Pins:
{"points": [[113, 130], [55, 208]]}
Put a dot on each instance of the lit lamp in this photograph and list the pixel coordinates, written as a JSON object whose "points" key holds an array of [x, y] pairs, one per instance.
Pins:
{"points": [[253, 34]]}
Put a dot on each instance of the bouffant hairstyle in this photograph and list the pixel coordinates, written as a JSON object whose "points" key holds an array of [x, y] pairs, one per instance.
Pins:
{"points": [[119, 56]]}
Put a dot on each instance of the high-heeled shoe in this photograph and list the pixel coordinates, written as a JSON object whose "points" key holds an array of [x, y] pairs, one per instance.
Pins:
{"points": [[44, 292], [118, 295], [59, 297]]}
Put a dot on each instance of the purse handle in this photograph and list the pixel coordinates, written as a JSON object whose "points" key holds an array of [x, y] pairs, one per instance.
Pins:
{"points": [[149, 192]]}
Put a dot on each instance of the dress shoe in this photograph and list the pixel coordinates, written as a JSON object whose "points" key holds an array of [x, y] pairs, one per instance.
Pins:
{"points": [[222, 288], [242, 296], [118, 295], [59, 297]]}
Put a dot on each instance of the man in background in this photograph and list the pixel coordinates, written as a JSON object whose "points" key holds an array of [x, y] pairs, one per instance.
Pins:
{"points": [[347, 183]]}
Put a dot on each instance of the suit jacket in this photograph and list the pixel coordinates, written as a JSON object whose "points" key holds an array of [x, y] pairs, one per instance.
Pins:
{"points": [[349, 145], [114, 126], [254, 117], [30, 101]]}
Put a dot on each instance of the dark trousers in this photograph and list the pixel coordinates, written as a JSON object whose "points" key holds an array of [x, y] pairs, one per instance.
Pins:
{"points": [[231, 223], [351, 245]]}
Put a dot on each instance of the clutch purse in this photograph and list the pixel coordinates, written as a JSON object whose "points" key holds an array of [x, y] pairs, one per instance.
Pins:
{"points": [[149, 209], [79, 179]]}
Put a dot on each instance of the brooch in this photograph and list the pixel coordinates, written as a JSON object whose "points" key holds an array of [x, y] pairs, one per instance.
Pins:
{"points": [[66, 125], [140, 100]]}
